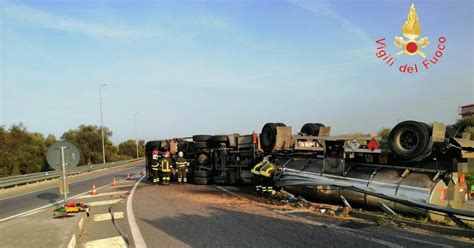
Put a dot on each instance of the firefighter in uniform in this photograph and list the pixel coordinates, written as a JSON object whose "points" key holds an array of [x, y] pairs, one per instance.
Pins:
{"points": [[256, 170], [182, 167], [266, 173], [165, 168], [155, 167]]}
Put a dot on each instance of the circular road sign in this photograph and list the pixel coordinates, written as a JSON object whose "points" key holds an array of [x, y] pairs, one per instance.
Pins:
{"points": [[71, 155]]}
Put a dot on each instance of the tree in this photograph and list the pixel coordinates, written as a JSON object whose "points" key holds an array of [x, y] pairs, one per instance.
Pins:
{"points": [[21, 151], [465, 125], [129, 148], [88, 139], [384, 133]]}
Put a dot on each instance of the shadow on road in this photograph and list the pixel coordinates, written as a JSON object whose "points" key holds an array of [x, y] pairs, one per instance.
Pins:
{"points": [[51, 197]]}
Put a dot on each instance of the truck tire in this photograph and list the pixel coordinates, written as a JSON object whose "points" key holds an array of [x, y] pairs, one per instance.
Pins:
{"points": [[220, 139], [311, 128], [200, 145], [201, 181], [268, 137], [153, 144], [202, 138], [202, 173], [410, 140]]}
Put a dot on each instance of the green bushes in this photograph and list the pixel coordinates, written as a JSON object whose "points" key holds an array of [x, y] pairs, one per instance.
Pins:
{"points": [[23, 152]]}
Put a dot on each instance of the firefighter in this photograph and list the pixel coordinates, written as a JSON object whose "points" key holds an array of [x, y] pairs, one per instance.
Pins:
{"points": [[256, 170], [155, 167], [165, 168], [266, 173], [182, 167]]}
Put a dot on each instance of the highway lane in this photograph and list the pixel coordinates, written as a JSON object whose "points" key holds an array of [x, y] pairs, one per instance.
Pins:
{"points": [[206, 216], [40, 196]]}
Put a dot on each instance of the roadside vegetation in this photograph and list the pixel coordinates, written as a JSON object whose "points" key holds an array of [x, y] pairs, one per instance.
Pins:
{"points": [[23, 152]]}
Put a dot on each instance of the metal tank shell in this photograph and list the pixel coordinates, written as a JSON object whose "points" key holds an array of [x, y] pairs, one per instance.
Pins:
{"points": [[418, 186]]}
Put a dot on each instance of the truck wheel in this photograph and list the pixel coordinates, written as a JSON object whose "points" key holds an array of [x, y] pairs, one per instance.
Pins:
{"points": [[200, 145], [201, 181], [268, 137], [153, 144], [202, 173], [220, 139], [311, 128], [202, 138], [410, 140]]}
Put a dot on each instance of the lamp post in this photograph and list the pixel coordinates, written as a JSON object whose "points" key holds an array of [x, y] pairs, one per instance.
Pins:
{"points": [[102, 122], [136, 132]]}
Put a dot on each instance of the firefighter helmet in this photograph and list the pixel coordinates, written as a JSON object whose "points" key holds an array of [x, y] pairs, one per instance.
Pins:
{"points": [[180, 154], [167, 154]]}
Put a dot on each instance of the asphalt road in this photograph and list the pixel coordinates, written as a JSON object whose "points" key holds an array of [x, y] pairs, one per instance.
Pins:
{"points": [[44, 194], [206, 216]]}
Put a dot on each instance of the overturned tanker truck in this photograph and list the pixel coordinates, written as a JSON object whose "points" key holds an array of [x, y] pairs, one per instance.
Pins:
{"points": [[419, 167]]}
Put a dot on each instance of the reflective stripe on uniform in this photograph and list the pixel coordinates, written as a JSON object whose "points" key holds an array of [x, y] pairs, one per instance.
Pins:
{"points": [[181, 164], [256, 169], [267, 170], [165, 165]]}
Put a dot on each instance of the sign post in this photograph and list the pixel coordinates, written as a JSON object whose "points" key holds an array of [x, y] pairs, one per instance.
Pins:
{"points": [[63, 156], [63, 166]]}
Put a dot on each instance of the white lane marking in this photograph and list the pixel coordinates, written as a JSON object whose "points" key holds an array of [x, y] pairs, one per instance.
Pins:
{"points": [[136, 234], [48, 205], [123, 185], [72, 242], [362, 235], [27, 193], [102, 203], [116, 241], [102, 194], [34, 212], [226, 190], [81, 223], [108, 216]]}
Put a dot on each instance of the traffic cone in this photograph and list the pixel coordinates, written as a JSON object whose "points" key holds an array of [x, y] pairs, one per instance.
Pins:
{"points": [[142, 172], [114, 182], [128, 177], [94, 191]]}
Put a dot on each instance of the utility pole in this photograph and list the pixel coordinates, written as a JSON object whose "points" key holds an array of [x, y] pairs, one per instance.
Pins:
{"points": [[102, 122], [136, 132]]}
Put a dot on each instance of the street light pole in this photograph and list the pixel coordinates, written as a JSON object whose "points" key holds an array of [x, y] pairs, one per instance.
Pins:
{"points": [[136, 132], [102, 122]]}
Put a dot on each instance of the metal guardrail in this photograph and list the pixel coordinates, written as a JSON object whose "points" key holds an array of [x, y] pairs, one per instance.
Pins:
{"points": [[12, 181]]}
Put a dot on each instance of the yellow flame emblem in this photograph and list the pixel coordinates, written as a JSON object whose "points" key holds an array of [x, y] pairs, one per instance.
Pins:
{"points": [[411, 30]]}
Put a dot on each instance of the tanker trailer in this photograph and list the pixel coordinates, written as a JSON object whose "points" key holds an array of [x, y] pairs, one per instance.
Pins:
{"points": [[421, 164]]}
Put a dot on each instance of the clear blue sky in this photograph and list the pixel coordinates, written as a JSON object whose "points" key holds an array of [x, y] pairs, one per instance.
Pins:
{"points": [[226, 66]]}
